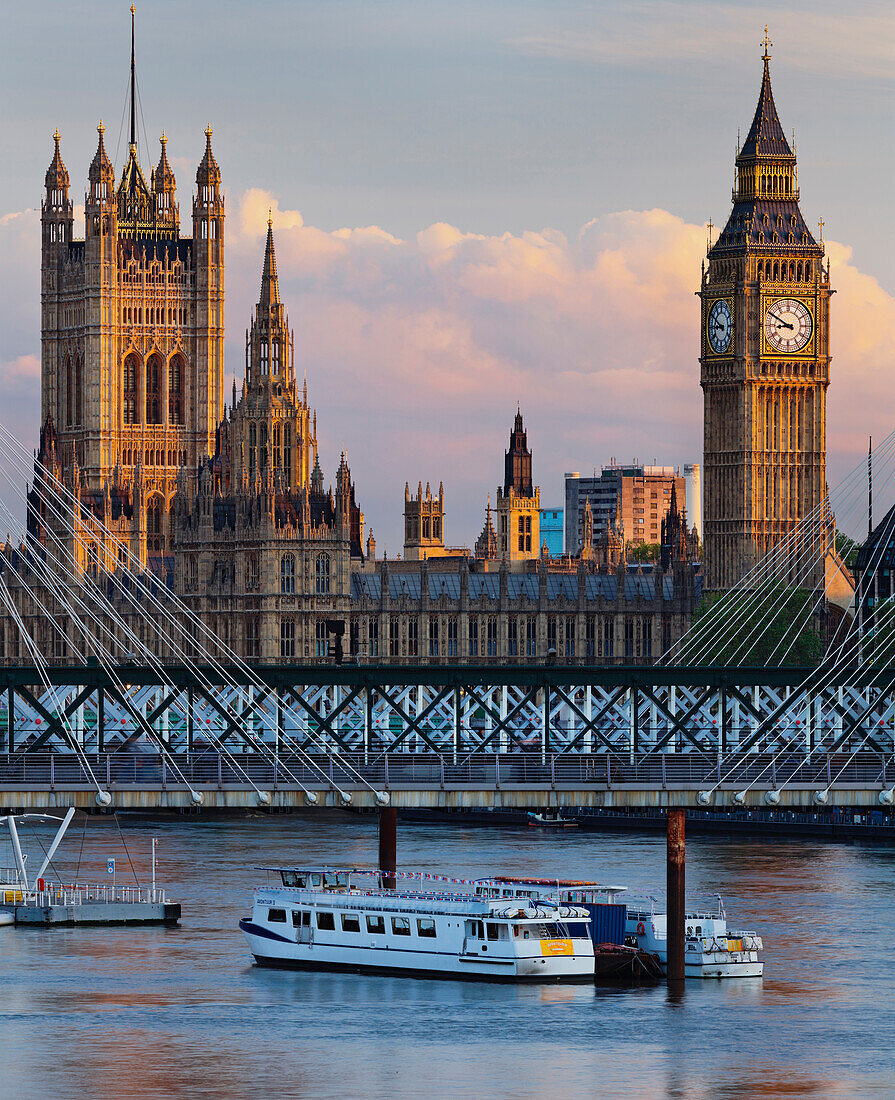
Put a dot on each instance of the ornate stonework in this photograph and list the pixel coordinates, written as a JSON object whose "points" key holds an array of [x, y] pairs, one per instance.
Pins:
{"points": [[765, 360], [132, 340]]}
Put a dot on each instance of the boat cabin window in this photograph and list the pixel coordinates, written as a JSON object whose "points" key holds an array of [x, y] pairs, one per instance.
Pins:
{"points": [[304, 918], [401, 926], [477, 929], [522, 931], [294, 878], [376, 923], [350, 922], [493, 931], [326, 921], [277, 916], [426, 928], [333, 880], [316, 880]]}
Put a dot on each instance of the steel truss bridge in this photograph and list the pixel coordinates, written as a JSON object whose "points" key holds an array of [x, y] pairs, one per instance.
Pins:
{"points": [[447, 737]]}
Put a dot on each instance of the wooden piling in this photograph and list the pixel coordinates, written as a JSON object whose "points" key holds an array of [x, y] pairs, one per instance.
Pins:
{"points": [[388, 845], [677, 909]]}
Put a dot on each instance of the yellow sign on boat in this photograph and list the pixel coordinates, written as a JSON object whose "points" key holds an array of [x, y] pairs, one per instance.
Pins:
{"points": [[734, 945], [556, 947]]}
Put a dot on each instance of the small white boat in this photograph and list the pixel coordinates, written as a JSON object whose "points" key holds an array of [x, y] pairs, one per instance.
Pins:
{"points": [[543, 821], [337, 919], [711, 950]]}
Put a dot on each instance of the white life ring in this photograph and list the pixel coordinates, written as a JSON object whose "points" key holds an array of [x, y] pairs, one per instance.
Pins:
{"points": [[641, 928]]}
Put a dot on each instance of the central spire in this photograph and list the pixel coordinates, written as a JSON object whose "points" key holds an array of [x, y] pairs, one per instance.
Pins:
{"points": [[270, 286], [766, 137]]}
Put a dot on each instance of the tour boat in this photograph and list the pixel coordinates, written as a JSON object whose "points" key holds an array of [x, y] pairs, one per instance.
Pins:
{"points": [[342, 919], [710, 949]]}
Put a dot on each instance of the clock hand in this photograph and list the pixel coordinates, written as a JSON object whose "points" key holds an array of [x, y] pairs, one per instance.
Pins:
{"points": [[783, 324]]}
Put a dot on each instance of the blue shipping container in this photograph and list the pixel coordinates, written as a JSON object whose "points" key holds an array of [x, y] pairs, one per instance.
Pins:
{"points": [[607, 923]]}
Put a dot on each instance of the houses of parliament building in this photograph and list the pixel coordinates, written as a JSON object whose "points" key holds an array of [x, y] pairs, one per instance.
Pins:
{"points": [[226, 503]]}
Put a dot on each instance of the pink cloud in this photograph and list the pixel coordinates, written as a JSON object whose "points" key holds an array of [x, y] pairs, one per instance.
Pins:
{"points": [[417, 350]]}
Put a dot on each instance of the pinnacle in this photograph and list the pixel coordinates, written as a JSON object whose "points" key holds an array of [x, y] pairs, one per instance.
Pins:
{"points": [[270, 285], [766, 136]]}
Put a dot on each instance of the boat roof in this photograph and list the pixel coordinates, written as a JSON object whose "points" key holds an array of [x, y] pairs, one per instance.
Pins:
{"points": [[561, 883], [319, 869]]}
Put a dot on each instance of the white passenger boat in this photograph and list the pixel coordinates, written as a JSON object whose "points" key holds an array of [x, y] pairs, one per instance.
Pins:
{"points": [[339, 919], [711, 950]]}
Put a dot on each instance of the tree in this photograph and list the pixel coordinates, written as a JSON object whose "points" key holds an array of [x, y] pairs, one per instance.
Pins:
{"points": [[847, 548], [776, 625], [646, 551]]}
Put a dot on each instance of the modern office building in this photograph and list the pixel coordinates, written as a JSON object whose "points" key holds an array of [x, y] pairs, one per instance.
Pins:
{"points": [[552, 531], [630, 501]]}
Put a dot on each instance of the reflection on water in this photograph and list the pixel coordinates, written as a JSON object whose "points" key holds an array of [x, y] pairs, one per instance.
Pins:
{"points": [[162, 1012]]}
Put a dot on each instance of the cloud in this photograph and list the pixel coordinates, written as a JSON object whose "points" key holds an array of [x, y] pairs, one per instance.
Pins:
{"points": [[665, 34], [417, 350]]}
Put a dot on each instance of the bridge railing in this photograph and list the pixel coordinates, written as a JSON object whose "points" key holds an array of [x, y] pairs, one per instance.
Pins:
{"points": [[141, 770]]}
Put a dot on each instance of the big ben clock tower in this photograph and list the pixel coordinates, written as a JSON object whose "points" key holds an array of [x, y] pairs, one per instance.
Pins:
{"points": [[765, 363]]}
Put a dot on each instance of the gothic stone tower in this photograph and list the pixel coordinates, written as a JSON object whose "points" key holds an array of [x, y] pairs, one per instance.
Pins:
{"points": [[765, 359], [519, 503], [132, 336]]}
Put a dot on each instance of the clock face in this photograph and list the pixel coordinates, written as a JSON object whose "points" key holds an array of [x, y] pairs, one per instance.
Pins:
{"points": [[788, 325], [720, 326]]}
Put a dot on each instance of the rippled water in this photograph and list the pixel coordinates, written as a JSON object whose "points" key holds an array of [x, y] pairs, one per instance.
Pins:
{"points": [[163, 1012]]}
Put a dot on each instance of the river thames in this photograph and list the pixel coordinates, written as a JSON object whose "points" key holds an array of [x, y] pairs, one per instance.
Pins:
{"points": [[183, 1012]]}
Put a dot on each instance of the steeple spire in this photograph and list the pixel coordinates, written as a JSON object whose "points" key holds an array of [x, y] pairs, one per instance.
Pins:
{"points": [[270, 286], [133, 83], [766, 137]]}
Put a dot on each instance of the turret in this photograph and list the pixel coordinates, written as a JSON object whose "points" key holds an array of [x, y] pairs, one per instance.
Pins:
{"points": [[99, 203], [164, 186], [56, 211], [208, 205], [208, 264]]}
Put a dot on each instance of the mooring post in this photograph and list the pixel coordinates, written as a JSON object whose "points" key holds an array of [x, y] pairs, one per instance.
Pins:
{"points": [[388, 845], [677, 910]]}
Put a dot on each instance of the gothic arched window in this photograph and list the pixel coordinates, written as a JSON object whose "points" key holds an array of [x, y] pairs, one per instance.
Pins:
{"points": [[287, 575], [69, 394], [154, 389], [287, 453], [175, 390], [154, 525], [321, 575], [79, 390], [131, 373]]}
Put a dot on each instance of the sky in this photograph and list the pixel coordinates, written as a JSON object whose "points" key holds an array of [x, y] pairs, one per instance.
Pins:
{"points": [[475, 204]]}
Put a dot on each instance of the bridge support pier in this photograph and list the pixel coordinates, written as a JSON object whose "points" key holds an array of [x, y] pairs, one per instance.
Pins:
{"points": [[388, 845], [676, 904]]}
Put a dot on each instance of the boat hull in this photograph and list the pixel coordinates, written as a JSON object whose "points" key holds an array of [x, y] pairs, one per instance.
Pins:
{"points": [[284, 954]]}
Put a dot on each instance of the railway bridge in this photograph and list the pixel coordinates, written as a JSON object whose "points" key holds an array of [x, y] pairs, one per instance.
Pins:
{"points": [[536, 736]]}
